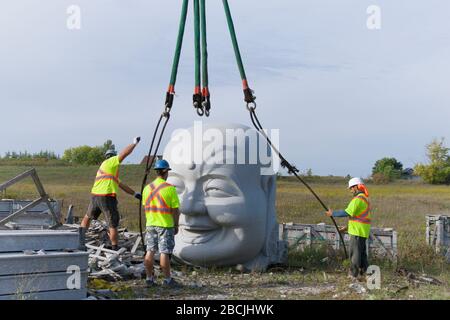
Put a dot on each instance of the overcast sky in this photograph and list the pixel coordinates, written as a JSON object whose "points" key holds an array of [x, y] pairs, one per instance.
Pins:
{"points": [[342, 95]]}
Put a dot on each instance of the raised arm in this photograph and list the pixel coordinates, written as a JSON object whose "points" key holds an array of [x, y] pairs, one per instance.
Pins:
{"points": [[129, 149]]}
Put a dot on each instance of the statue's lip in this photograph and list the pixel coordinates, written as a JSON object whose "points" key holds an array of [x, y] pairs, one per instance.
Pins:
{"points": [[198, 224], [197, 234], [200, 228]]}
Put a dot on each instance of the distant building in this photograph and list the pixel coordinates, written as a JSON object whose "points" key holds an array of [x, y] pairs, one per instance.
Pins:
{"points": [[144, 161], [408, 172]]}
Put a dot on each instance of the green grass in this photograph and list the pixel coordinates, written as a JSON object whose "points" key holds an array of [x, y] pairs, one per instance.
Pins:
{"points": [[401, 205]]}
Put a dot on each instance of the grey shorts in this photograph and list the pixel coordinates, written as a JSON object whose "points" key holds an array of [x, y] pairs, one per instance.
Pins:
{"points": [[160, 239], [107, 205]]}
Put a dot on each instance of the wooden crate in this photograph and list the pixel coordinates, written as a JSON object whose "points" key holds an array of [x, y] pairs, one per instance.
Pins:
{"points": [[438, 234], [381, 243], [38, 217], [38, 264]]}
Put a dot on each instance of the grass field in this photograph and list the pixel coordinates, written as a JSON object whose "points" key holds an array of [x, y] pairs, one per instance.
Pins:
{"points": [[401, 205]]}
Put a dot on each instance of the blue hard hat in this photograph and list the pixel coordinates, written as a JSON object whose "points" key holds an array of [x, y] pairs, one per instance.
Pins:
{"points": [[162, 165]]}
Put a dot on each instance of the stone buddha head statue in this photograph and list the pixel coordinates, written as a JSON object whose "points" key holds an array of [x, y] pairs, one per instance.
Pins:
{"points": [[225, 178]]}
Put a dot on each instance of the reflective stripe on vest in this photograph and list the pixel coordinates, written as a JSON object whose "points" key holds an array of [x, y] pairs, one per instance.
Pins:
{"points": [[102, 175], [162, 207], [362, 217]]}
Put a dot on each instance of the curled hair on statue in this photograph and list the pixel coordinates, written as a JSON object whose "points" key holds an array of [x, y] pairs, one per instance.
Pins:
{"points": [[363, 189]]}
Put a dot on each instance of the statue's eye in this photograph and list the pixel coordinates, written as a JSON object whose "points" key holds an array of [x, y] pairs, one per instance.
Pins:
{"points": [[217, 193], [219, 188], [177, 183]]}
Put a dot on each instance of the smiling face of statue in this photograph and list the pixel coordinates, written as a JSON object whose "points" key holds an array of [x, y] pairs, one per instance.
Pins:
{"points": [[226, 209]]}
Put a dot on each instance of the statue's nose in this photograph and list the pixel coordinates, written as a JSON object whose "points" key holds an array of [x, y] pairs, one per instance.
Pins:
{"points": [[193, 206]]}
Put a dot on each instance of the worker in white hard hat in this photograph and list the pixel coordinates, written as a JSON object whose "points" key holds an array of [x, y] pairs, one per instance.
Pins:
{"points": [[358, 212]]}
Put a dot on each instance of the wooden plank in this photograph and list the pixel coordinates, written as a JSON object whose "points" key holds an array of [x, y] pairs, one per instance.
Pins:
{"points": [[103, 249], [23, 284], [21, 211], [380, 244], [298, 239], [18, 178], [136, 244], [49, 295], [394, 246], [384, 239], [438, 232], [48, 240], [20, 263]]}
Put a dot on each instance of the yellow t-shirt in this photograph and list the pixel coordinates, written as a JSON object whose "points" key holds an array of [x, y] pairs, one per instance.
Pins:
{"points": [[359, 227], [160, 216], [107, 179]]}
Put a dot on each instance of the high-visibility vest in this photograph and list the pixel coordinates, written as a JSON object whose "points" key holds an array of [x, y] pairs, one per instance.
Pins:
{"points": [[360, 221], [157, 212], [107, 179]]}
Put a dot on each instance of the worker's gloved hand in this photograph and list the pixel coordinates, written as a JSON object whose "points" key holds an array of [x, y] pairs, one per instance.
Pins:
{"points": [[138, 196], [136, 140], [343, 229], [329, 213]]}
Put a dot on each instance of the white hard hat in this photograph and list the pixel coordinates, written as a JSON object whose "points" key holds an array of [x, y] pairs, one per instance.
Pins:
{"points": [[354, 182]]}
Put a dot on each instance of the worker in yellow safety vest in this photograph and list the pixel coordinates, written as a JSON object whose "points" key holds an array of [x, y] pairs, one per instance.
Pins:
{"points": [[104, 193], [358, 212], [161, 203]]}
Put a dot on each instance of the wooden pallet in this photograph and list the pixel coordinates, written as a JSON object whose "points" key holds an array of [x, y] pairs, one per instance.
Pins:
{"points": [[39, 264], [438, 234], [381, 243]]}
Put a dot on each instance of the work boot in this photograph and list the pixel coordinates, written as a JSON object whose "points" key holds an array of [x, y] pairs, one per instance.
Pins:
{"points": [[362, 277], [171, 284], [352, 277], [150, 283]]}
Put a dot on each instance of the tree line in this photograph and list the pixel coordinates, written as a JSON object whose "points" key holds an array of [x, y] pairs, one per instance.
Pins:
{"points": [[385, 170], [47, 155], [82, 155], [435, 171]]}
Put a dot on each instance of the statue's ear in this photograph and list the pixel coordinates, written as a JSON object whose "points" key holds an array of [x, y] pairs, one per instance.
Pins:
{"points": [[268, 184]]}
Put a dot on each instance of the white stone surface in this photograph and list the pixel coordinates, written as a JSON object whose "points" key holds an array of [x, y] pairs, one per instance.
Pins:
{"points": [[227, 210]]}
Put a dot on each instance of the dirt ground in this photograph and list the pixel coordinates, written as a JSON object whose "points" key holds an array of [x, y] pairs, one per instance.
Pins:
{"points": [[275, 284]]}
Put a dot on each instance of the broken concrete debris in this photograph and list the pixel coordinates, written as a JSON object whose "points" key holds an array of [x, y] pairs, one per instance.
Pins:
{"points": [[416, 280], [358, 288], [105, 263]]}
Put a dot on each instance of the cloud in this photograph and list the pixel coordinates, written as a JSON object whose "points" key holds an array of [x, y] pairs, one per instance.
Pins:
{"points": [[342, 96]]}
